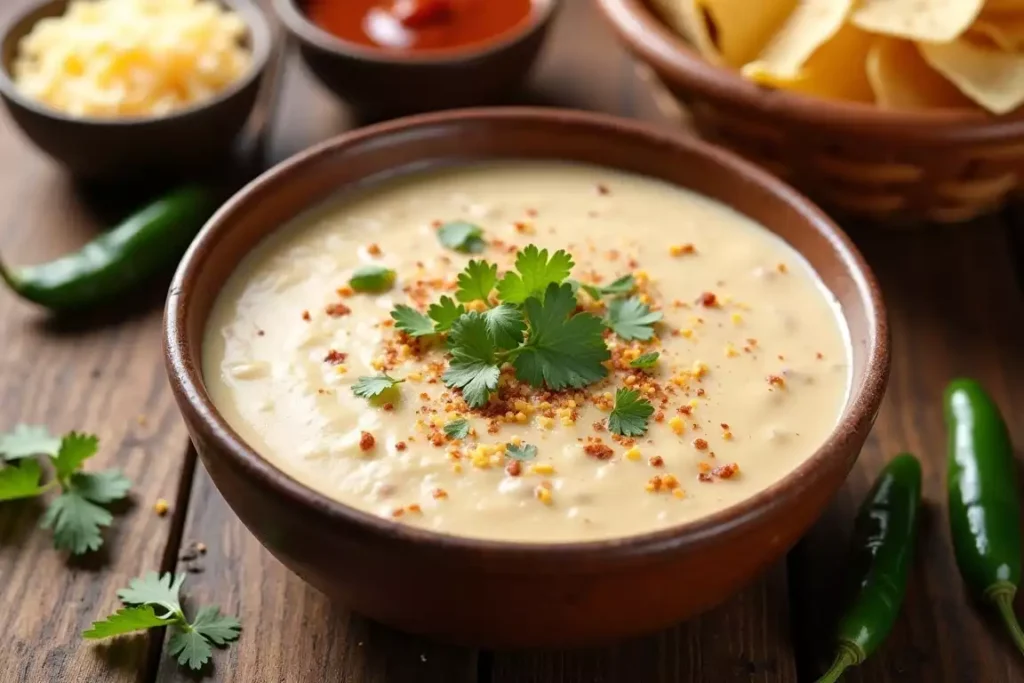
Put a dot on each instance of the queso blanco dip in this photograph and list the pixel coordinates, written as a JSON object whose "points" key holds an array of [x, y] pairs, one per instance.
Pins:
{"points": [[751, 376]]}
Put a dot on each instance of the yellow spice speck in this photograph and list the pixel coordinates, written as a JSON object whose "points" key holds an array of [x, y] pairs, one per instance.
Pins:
{"points": [[545, 422], [542, 468], [736, 318], [730, 351], [699, 369], [415, 376], [521, 417], [687, 333], [341, 369], [678, 493], [161, 507], [478, 306], [677, 425], [543, 495], [568, 421], [457, 468], [633, 454]]}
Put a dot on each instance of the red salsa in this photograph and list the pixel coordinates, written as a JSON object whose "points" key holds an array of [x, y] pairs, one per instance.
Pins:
{"points": [[418, 25]]}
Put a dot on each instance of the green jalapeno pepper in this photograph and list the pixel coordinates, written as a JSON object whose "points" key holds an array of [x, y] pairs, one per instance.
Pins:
{"points": [[119, 260], [881, 553], [984, 504]]}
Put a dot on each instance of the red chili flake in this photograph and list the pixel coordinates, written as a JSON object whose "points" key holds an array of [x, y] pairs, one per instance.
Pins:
{"points": [[400, 446], [260, 333], [700, 444], [782, 268], [514, 468], [708, 300], [398, 512], [659, 416], [440, 494], [532, 213], [705, 477], [781, 357], [656, 461], [701, 392], [602, 189], [366, 441], [596, 449], [632, 263], [599, 426], [688, 249], [685, 410], [725, 426], [337, 310], [819, 355], [522, 227], [306, 316], [335, 357], [415, 507], [388, 407], [776, 380], [726, 471], [373, 250]]}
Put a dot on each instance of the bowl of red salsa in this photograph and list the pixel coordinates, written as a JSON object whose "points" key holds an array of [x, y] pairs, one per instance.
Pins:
{"points": [[391, 57]]}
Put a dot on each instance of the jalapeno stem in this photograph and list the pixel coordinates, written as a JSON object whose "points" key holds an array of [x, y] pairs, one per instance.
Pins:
{"points": [[1001, 595], [846, 658]]}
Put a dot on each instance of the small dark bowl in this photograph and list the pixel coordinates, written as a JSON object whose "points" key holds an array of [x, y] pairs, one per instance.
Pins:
{"points": [[97, 148], [501, 593], [380, 83]]}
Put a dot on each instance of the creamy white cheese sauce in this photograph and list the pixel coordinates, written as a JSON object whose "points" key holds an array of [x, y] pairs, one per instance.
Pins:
{"points": [[745, 389]]}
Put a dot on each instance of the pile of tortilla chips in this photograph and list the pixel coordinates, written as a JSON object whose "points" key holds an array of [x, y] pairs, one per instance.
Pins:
{"points": [[898, 54]]}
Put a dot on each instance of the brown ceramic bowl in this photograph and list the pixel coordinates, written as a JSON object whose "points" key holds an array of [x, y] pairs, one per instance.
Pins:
{"points": [[501, 593], [381, 83], [122, 148], [890, 166]]}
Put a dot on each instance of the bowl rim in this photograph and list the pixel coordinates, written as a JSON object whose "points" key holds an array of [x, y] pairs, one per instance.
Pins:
{"points": [[670, 54], [260, 36], [303, 28], [187, 382]]}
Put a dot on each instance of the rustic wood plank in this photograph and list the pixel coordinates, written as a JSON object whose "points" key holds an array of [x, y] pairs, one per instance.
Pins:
{"points": [[101, 374], [955, 310]]}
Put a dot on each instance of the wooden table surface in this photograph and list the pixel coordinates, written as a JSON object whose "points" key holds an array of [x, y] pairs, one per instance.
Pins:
{"points": [[955, 305]]}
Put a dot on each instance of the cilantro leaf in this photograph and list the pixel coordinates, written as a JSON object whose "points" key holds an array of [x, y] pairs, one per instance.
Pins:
{"points": [[623, 285], [521, 452], [101, 487], [457, 429], [191, 649], [21, 480], [561, 351], [372, 278], [74, 450], [216, 627], [126, 620], [369, 387], [646, 360], [444, 313], [535, 271], [505, 326], [76, 522], [462, 236], [632, 319], [476, 281], [630, 415], [473, 367], [161, 590], [26, 441], [412, 322]]}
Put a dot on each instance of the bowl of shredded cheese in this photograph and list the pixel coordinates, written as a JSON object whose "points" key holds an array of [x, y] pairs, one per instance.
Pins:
{"points": [[115, 87]]}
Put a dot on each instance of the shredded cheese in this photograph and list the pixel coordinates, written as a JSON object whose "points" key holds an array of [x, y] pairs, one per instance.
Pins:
{"points": [[129, 58]]}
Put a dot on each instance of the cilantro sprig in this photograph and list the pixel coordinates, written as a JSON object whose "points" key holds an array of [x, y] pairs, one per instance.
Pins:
{"points": [[632, 319], [457, 429], [154, 601], [645, 361], [534, 272], [375, 386], [521, 452], [77, 516], [462, 236], [623, 285], [630, 415]]}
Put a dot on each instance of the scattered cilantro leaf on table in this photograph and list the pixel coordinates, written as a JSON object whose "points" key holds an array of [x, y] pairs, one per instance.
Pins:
{"points": [[474, 367], [457, 429], [152, 594], [371, 387], [476, 281], [74, 450], [76, 522], [462, 236], [21, 480], [630, 415], [412, 322], [26, 441], [646, 360], [563, 350], [623, 285], [444, 313], [534, 272], [521, 451], [632, 319]]}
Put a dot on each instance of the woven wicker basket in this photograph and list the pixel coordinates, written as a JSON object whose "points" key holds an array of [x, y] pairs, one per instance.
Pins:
{"points": [[892, 167]]}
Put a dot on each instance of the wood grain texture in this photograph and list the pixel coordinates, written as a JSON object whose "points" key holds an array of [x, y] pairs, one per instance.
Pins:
{"points": [[955, 310], [99, 374]]}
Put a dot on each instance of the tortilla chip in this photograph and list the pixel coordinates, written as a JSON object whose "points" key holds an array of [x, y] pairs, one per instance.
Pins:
{"points": [[902, 79], [811, 25], [835, 71], [1005, 32], [732, 32], [937, 21], [992, 78]]}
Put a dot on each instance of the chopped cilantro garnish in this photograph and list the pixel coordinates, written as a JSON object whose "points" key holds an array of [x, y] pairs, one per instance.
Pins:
{"points": [[26, 441], [632, 319], [521, 452], [372, 278], [505, 326], [534, 272], [647, 360], [412, 322], [474, 368], [476, 281], [623, 285], [444, 313], [371, 387], [562, 350], [462, 236], [457, 429], [630, 415], [155, 601]]}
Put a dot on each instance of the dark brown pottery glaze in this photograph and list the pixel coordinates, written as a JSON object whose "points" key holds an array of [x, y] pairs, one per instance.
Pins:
{"points": [[125, 148], [499, 593], [380, 83]]}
